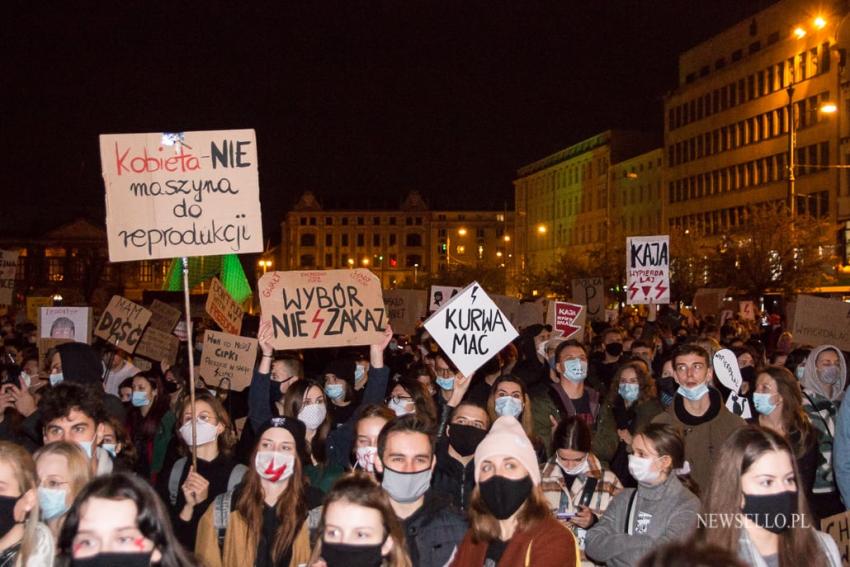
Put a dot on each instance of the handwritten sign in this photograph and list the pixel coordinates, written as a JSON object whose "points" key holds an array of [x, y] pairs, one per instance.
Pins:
{"points": [[182, 194], [122, 323], [323, 308], [34, 303], [470, 328], [838, 527], [228, 358], [72, 323], [405, 309], [8, 269], [726, 370], [223, 309], [648, 269], [709, 300], [163, 316], [819, 321], [747, 310], [440, 295], [590, 292], [158, 346], [568, 319]]}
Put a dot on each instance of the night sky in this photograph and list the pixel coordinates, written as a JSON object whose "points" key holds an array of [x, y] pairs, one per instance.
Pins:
{"points": [[358, 101]]}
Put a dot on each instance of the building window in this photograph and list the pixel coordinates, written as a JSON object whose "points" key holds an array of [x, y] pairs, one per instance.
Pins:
{"points": [[376, 221], [308, 239], [344, 240], [344, 221], [308, 261], [329, 260], [145, 271], [413, 240], [392, 240], [329, 221], [392, 221], [418, 221], [412, 260], [408, 221], [361, 240], [303, 221], [359, 221], [312, 221], [329, 240], [376, 240], [479, 233]]}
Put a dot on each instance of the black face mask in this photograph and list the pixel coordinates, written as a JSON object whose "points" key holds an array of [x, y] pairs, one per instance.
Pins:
{"points": [[614, 349], [345, 555], [7, 513], [503, 496], [748, 375], [275, 395], [773, 512], [668, 385], [112, 559], [170, 386], [465, 439]]}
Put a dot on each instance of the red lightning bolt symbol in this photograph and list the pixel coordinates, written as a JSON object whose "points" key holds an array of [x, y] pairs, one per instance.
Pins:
{"points": [[320, 321], [661, 289], [273, 473], [633, 288]]}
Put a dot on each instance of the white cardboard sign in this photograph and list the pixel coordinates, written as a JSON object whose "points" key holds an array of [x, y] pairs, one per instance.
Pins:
{"points": [[648, 269], [440, 295], [470, 329], [726, 370]]}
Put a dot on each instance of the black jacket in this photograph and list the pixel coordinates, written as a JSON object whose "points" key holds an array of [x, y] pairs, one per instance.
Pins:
{"points": [[451, 478], [434, 531]]}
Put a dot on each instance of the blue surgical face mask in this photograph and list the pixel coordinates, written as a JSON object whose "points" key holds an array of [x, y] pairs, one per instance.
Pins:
{"points": [[575, 370], [359, 372], [763, 404], [52, 502], [694, 394], [629, 392], [140, 399], [109, 448], [335, 391], [446, 383], [56, 378], [86, 446], [799, 371], [508, 405]]}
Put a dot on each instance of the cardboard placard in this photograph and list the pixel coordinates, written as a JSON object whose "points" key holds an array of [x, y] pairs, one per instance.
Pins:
{"points": [[228, 357], [323, 308], [529, 313], [405, 309], [181, 194], [838, 527], [568, 319], [158, 346], [440, 295], [223, 309], [470, 329], [143, 364], [819, 321], [590, 292], [8, 270], [35, 303], [709, 300], [747, 310], [163, 316], [509, 306], [122, 323], [73, 323], [648, 269]]}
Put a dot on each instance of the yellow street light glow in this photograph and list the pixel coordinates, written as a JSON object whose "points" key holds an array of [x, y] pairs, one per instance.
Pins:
{"points": [[799, 32], [461, 231], [365, 261], [507, 238], [351, 261], [541, 229], [820, 23], [498, 254], [828, 108]]}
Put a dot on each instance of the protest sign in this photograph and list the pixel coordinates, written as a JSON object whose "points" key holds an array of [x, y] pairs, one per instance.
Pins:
{"points": [[163, 316], [223, 309], [590, 292], [470, 328], [228, 358], [509, 306], [158, 346], [747, 310], [405, 308], [181, 194], [838, 527], [143, 364], [65, 323], [34, 303], [528, 313], [8, 271], [122, 323], [819, 321], [318, 309], [726, 370], [440, 295], [568, 319], [648, 269], [709, 300]]}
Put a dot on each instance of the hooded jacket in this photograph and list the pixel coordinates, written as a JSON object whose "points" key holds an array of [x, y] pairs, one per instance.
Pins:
{"points": [[812, 384]]}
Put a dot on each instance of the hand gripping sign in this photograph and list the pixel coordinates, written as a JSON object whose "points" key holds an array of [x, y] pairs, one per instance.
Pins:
{"points": [[470, 328], [726, 369]]}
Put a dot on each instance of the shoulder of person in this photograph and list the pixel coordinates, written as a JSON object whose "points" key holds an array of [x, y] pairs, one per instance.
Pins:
{"points": [[667, 417], [829, 547], [43, 550], [726, 416], [651, 406]]}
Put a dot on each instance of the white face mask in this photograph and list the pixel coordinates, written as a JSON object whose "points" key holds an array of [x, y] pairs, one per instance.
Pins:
{"points": [[641, 469], [207, 432], [582, 467], [366, 458], [313, 415], [274, 466], [399, 407]]}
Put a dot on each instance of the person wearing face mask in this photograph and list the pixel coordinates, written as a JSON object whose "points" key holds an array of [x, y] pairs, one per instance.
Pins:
{"points": [[120, 368], [115, 440], [455, 471], [575, 483], [406, 461], [271, 379], [510, 523], [118, 520], [339, 378], [660, 510], [698, 410], [409, 396], [823, 382], [631, 405], [359, 528], [151, 424], [63, 471], [665, 384], [532, 364], [602, 368], [509, 396], [372, 419], [188, 491], [24, 540], [267, 521], [567, 394], [755, 485]]}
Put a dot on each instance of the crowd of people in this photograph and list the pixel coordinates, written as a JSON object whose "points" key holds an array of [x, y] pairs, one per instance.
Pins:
{"points": [[616, 450]]}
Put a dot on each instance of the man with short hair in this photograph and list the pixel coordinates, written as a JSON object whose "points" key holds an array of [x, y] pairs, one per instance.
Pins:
{"points": [[433, 528], [75, 413], [698, 410], [454, 474], [602, 370]]}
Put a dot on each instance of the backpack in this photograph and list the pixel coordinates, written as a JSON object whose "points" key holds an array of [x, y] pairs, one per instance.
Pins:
{"points": [[235, 478]]}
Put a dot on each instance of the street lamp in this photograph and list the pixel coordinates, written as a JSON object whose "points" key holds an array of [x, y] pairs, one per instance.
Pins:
{"points": [[415, 272], [351, 262], [541, 229], [265, 265]]}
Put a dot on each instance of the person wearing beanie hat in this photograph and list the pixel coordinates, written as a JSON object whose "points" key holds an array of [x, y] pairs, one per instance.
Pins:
{"points": [[511, 524], [267, 523]]}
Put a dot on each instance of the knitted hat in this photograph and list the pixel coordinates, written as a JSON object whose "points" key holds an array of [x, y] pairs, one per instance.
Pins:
{"points": [[294, 426], [342, 368], [507, 438]]}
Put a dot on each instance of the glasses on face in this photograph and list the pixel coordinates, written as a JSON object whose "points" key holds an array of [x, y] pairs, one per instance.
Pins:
{"points": [[696, 367], [401, 399]]}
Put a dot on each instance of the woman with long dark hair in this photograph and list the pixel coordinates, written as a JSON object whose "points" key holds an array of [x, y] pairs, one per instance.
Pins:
{"points": [[151, 423], [509, 396]]}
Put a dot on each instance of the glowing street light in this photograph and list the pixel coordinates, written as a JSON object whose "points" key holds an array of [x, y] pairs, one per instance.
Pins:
{"points": [[365, 261], [351, 261], [541, 229], [461, 231], [828, 108], [820, 23], [799, 32], [507, 238]]}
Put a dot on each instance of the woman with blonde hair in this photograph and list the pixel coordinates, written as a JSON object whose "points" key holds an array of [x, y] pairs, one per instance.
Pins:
{"points": [[359, 527], [63, 470]]}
